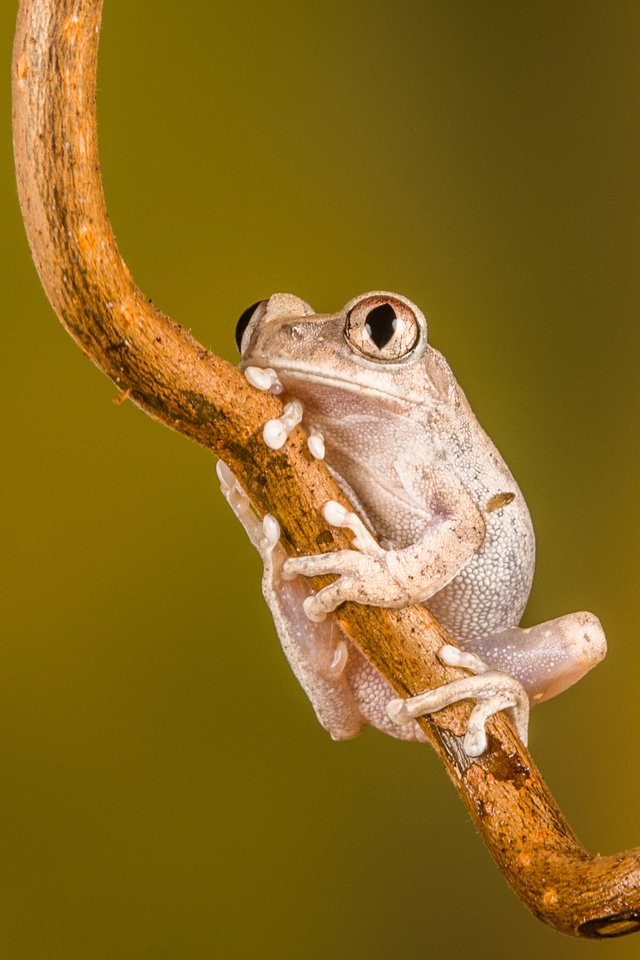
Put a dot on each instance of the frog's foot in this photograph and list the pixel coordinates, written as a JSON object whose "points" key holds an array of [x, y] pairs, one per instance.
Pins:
{"points": [[263, 378], [239, 502], [493, 690], [318, 654], [363, 573], [264, 534]]}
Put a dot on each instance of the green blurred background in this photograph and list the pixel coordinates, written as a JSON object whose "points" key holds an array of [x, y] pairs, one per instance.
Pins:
{"points": [[481, 158]]}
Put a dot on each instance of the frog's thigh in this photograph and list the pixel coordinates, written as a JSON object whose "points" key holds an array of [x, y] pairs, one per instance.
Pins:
{"points": [[372, 694], [317, 652], [547, 658]]}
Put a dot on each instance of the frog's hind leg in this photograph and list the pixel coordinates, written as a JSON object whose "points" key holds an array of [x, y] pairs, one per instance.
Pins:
{"points": [[512, 669], [493, 690], [317, 653], [547, 658]]}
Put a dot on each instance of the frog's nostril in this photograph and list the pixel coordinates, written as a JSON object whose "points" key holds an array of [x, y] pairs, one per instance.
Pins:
{"points": [[296, 331]]}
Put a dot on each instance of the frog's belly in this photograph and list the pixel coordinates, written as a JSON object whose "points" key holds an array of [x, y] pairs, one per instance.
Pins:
{"points": [[491, 591]]}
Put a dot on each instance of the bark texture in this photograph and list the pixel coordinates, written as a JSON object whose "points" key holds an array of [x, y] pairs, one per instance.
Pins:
{"points": [[160, 367]]}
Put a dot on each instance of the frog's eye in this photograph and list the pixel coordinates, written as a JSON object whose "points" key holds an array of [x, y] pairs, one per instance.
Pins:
{"points": [[383, 327], [256, 310]]}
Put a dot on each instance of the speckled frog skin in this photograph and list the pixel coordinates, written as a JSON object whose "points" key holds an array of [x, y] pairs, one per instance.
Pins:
{"points": [[446, 523]]}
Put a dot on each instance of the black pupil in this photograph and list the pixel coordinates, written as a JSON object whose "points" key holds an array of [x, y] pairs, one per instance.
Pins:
{"points": [[243, 322], [381, 324]]}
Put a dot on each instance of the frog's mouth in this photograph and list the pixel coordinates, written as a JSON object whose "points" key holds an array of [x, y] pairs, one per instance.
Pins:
{"points": [[333, 397], [306, 383]]}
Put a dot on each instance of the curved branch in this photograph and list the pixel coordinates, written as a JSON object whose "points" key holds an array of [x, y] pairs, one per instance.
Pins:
{"points": [[177, 381]]}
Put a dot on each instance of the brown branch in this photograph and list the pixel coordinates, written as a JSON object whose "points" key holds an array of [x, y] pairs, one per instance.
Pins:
{"points": [[177, 381]]}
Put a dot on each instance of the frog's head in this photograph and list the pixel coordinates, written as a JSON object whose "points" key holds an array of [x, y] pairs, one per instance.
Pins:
{"points": [[377, 345]]}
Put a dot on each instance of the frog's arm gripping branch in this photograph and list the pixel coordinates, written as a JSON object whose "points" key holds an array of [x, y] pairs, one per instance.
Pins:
{"points": [[165, 371]]}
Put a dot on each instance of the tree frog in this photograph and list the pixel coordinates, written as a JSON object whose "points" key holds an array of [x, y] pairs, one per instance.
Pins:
{"points": [[439, 520]]}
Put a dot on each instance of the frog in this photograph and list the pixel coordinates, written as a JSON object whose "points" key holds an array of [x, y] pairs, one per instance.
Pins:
{"points": [[437, 519]]}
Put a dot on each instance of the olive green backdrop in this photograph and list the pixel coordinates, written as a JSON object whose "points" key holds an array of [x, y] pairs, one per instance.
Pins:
{"points": [[481, 158]]}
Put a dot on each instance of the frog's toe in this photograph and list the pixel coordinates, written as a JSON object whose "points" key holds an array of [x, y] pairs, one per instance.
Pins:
{"points": [[510, 697], [239, 503], [347, 563], [318, 605], [494, 692], [338, 516], [275, 432]]}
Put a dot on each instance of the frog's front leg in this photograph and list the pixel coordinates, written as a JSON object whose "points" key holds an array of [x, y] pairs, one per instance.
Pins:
{"points": [[392, 578]]}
